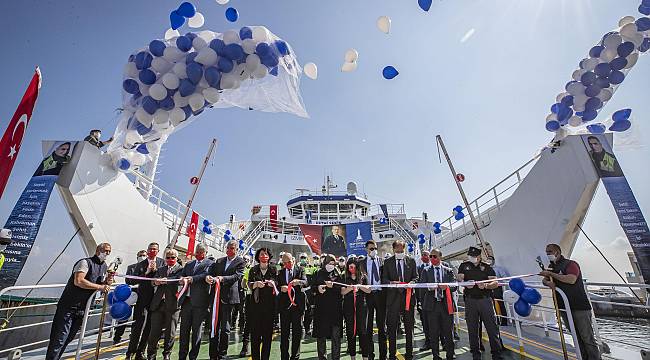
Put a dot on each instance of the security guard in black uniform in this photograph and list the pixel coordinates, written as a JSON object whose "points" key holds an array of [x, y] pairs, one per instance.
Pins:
{"points": [[478, 303]]}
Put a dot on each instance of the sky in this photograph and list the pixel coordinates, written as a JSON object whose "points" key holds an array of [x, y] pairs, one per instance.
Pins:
{"points": [[482, 73]]}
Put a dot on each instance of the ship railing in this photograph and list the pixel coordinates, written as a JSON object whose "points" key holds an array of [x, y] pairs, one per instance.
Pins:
{"points": [[391, 209], [484, 207], [406, 235], [251, 237], [306, 192]]}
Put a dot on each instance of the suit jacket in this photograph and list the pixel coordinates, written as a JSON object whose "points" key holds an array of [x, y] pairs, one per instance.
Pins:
{"points": [[299, 297], [231, 278], [389, 273], [363, 268], [145, 287], [169, 289], [130, 270], [199, 291], [334, 246], [428, 297]]}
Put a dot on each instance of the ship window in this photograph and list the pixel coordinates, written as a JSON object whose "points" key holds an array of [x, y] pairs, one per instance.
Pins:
{"points": [[328, 208], [346, 208], [311, 207], [296, 210]]}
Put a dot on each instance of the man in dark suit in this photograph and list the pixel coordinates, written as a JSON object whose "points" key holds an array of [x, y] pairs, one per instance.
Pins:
{"points": [[130, 270], [426, 263], [291, 315], [164, 306], [334, 244], [194, 303], [438, 305], [228, 271], [142, 320], [399, 269], [376, 300]]}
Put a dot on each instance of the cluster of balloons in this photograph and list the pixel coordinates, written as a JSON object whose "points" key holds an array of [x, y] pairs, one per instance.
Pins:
{"points": [[436, 228], [121, 300], [620, 122], [421, 239], [521, 297], [350, 64], [228, 235], [410, 247], [599, 75], [458, 212], [206, 227], [169, 81], [185, 11]]}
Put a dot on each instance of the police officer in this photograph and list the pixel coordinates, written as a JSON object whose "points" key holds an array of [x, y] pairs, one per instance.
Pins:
{"points": [[5, 240], [478, 303]]}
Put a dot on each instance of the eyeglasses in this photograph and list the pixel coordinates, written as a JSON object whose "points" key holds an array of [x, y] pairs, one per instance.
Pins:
{"points": [[170, 257], [372, 249]]}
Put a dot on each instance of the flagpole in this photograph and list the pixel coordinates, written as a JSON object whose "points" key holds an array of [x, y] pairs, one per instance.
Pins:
{"points": [[462, 194], [188, 206]]}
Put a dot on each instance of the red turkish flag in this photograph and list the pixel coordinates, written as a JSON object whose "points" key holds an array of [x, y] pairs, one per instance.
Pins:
{"points": [[191, 233], [13, 136], [312, 235], [273, 215]]}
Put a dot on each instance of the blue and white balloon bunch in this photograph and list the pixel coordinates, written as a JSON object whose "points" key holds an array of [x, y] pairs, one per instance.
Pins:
{"points": [[599, 75], [169, 81], [521, 296], [241, 244], [120, 309], [383, 221], [458, 212], [207, 228], [228, 235], [436, 228], [421, 239]]}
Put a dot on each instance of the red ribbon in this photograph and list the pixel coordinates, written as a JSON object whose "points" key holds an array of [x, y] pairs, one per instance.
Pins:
{"points": [[291, 294], [408, 297], [450, 303], [354, 301], [215, 308]]}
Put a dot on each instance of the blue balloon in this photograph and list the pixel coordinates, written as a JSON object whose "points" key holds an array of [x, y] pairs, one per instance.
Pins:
{"points": [[596, 128], [218, 46], [191, 35], [143, 60], [625, 49], [186, 88], [643, 24], [226, 237], [206, 222], [123, 164], [592, 90], [141, 128], [184, 43], [602, 70], [593, 103], [234, 52], [167, 103], [241, 242], [157, 47], [517, 285], [458, 208], [194, 72], [621, 115], [620, 125], [531, 296], [589, 77], [213, 76], [437, 231], [283, 47], [176, 20], [421, 236], [425, 4], [459, 216], [245, 33], [228, 232], [618, 64], [436, 225], [131, 86], [188, 111], [187, 9], [555, 109], [596, 50], [147, 77], [241, 246], [120, 310], [209, 232], [122, 292], [564, 114], [263, 49], [645, 10], [149, 105], [110, 298], [142, 149], [589, 115], [224, 65], [206, 229], [552, 125], [567, 100], [421, 241], [523, 308], [645, 46], [616, 77], [390, 72], [274, 71], [602, 82], [231, 14], [190, 57], [271, 60]]}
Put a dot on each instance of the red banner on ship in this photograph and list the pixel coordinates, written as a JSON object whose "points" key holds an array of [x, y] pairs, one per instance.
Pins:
{"points": [[312, 235], [191, 233], [13, 136], [273, 215]]}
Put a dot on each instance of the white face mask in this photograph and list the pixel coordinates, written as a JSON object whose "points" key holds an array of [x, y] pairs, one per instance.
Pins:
{"points": [[551, 257], [141, 258], [399, 256], [329, 267], [473, 260], [373, 254], [102, 256]]}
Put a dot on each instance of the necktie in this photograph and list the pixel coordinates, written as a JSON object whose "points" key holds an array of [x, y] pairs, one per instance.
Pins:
{"points": [[288, 276], [196, 265], [436, 279], [375, 272], [399, 271]]}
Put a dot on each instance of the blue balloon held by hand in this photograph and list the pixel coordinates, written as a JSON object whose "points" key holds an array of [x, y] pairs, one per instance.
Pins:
{"points": [[232, 14], [389, 72], [425, 4], [177, 20]]}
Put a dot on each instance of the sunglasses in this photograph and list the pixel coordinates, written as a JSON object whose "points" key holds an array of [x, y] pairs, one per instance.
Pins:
{"points": [[170, 257], [434, 256], [372, 249]]}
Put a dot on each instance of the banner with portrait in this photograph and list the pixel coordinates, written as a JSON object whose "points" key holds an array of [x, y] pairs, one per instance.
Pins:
{"points": [[26, 217], [620, 194], [358, 234], [334, 242]]}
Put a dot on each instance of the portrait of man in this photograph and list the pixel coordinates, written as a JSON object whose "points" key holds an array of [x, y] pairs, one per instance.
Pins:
{"points": [[334, 242], [605, 162], [53, 163]]}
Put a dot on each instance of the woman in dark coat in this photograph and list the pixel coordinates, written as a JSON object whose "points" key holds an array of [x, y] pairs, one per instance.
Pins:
{"points": [[355, 328], [328, 312], [261, 281]]}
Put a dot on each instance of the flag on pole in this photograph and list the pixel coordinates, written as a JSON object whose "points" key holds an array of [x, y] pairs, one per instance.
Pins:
{"points": [[191, 233], [13, 136]]}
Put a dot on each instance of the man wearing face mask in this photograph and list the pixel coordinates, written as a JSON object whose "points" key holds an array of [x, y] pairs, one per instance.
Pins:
{"points": [[141, 317], [426, 263], [228, 271], [5, 240], [478, 303], [399, 269], [375, 300], [567, 276], [291, 313], [88, 275]]}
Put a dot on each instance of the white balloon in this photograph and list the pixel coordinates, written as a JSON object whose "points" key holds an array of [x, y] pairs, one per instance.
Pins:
{"points": [[575, 121], [160, 116], [196, 21], [510, 297], [203, 84], [249, 46], [252, 62], [605, 95], [133, 298], [206, 57], [351, 55], [136, 158], [176, 116], [576, 89], [349, 66], [132, 137], [260, 72], [179, 70], [198, 43], [160, 127], [311, 70], [561, 96], [578, 74], [637, 40], [130, 70], [612, 41], [259, 34], [578, 107], [383, 23], [580, 100], [626, 20], [170, 81], [230, 80], [160, 65], [207, 35], [631, 60], [551, 117], [629, 30], [144, 89], [590, 64], [608, 54], [143, 117], [171, 33], [180, 101], [196, 101], [222, 2], [172, 53], [230, 37], [211, 95], [153, 147], [157, 92]]}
